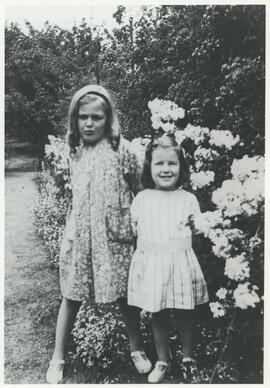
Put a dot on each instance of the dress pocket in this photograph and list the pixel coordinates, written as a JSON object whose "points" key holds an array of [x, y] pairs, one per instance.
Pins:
{"points": [[118, 225]]}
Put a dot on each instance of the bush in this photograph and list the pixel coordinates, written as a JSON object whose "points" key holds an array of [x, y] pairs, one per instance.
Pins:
{"points": [[54, 198]]}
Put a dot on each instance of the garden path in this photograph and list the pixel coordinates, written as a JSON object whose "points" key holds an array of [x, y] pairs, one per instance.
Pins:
{"points": [[31, 287]]}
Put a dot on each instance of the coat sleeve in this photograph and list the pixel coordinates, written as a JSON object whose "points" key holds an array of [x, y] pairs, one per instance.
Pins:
{"points": [[70, 220], [131, 167], [134, 211]]}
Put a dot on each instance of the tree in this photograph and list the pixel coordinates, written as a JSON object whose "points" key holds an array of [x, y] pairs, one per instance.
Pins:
{"points": [[43, 68]]}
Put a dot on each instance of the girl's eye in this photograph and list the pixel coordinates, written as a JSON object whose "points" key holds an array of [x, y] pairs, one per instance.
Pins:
{"points": [[96, 117], [83, 117]]}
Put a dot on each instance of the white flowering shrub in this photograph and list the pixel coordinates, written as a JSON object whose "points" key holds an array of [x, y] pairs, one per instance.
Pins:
{"points": [[100, 337], [54, 197], [232, 193], [230, 189]]}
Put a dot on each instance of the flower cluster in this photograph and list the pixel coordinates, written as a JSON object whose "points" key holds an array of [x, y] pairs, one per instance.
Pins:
{"points": [[196, 133], [223, 139], [201, 154], [246, 167], [244, 193], [237, 268], [246, 296], [208, 220], [223, 240], [201, 179], [56, 153], [217, 309], [164, 113], [222, 293]]}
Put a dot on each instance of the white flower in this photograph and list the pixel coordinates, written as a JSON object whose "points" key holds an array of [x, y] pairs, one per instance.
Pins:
{"points": [[156, 123], [196, 134], [163, 112], [227, 222], [246, 167], [221, 246], [223, 138], [237, 268], [202, 178], [221, 293], [168, 127], [57, 153], [217, 309], [253, 189], [246, 297], [254, 241], [208, 220], [222, 240], [202, 153], [235, 198], [179, 136], [177, 113]]}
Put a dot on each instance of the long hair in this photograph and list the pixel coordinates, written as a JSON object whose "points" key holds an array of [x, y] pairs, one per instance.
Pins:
{"points": [[166, 142], [112, 125]]}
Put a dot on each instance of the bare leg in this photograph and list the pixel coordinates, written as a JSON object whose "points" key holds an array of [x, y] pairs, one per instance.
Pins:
{"points": [[160, 325], [183, 320], [131, 315], [65, 322]]}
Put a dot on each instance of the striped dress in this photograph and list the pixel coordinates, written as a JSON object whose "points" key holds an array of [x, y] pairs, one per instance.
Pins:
{"points": [[164, 271]]}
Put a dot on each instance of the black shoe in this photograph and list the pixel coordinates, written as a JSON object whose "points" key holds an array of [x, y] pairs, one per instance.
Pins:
{"points": [[190, 371]]}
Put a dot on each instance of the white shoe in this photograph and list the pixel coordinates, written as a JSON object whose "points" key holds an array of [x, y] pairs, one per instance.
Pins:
{"points": [[55, 371], [158, 373], [141, 362]]}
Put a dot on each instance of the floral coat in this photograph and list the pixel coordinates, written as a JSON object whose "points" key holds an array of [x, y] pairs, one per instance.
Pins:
{"points": [[98, 242]]}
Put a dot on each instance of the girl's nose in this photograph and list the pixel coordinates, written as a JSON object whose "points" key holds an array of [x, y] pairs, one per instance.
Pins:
{"points": [[89, 121], [165, 167]]}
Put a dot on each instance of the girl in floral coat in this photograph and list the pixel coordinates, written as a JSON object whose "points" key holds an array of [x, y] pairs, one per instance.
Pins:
{"points": [[98, 242]]}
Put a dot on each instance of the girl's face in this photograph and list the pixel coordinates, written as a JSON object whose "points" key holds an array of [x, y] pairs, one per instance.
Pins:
{"points": [[92, 121], [165, 168]]}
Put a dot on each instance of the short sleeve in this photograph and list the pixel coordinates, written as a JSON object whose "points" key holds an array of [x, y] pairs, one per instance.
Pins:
{"points": [[70, 224], [195, 207], [70, 170], [195, 214]]}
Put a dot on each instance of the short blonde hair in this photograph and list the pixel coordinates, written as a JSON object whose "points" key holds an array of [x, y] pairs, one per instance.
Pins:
{"points": [[113, 129]]}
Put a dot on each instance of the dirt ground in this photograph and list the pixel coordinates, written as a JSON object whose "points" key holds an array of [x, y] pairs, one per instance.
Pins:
{"points": [[31, 287]]}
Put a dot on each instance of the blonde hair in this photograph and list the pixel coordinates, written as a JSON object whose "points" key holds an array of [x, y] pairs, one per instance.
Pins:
{"points": [[81, 96]]}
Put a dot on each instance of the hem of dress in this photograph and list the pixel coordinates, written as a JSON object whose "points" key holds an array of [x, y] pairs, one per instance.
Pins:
{"points": [[90, 300], [168, 307], [72, 298]]}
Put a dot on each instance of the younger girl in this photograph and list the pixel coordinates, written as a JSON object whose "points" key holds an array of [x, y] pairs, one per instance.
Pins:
{"points": [[164, 272], [97, 246]]}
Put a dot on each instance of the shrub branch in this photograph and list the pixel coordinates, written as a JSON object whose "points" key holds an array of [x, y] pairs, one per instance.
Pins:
{"points": [[223, 350]]}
